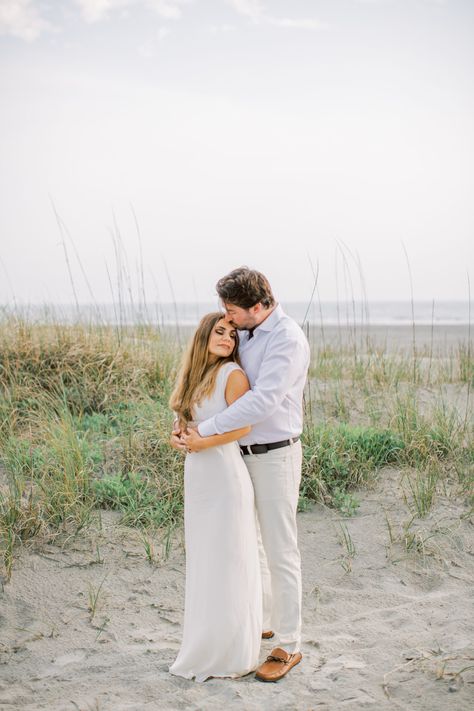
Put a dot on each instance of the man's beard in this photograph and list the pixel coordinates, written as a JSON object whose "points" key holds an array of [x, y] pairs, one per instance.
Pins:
{"points": [[240, 328]]}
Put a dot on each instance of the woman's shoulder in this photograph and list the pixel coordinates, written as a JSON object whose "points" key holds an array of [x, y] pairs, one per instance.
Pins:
{"points": [[232, 365], [235, 382], [227, 368]]}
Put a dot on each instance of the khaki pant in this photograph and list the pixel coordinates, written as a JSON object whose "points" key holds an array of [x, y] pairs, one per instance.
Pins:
{"points": [[276, 479]]}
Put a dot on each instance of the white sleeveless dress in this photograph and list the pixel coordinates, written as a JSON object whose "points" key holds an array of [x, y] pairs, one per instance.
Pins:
{"points": [[223, 605]]}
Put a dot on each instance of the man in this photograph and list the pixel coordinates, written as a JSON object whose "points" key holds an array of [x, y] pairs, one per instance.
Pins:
{"points": [[275, 355]]}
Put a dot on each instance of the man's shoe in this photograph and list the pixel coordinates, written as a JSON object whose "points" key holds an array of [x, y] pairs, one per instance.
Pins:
{"points": [[277, 665], [268, 635]]}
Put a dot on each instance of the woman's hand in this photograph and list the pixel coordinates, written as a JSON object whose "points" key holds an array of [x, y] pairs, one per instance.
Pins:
{"points": [[175, 439], [176, 442], [193, 440]]}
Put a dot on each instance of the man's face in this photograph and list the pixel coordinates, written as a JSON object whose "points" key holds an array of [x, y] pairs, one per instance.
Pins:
{"points": [[240, 318]]}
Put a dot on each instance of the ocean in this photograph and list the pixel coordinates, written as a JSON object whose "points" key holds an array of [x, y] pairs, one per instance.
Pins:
{"points": [[327, 313]]}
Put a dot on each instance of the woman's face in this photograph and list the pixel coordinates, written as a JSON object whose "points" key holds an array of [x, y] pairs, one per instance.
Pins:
{"points": [[222, 339]]}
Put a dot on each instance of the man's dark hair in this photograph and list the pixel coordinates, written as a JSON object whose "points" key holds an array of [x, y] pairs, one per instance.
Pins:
{"points": [[245, 287]]}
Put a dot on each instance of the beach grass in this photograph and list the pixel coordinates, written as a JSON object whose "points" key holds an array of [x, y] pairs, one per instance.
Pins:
{"points": [[85, 424]]}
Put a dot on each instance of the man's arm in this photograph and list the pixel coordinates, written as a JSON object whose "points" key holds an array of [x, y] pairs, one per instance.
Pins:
{"points": [[277, 372]]}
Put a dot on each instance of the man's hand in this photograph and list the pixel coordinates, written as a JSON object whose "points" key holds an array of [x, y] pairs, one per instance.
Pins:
{"points": [[193, 440]]}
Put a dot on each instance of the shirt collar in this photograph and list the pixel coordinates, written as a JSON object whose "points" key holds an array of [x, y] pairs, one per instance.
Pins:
{"points": [[271, 321]]}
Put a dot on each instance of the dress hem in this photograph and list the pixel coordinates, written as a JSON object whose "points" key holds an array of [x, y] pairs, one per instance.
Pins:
{"points": [[199, 678]]}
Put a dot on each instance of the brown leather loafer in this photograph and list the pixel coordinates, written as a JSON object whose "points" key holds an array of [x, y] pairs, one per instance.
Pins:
{"points": [[277, 665], [268, 635]]}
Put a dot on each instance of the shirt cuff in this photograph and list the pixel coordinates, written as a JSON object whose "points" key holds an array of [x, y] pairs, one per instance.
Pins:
{"points": [[207, 428]]}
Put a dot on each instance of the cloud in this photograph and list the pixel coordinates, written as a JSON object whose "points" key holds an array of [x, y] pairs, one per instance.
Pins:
{"points": [[170, 9], [20, 18], [254, 10], [96, 10]]}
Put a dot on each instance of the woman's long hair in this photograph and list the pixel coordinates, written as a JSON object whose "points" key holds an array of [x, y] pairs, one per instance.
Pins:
{"points": [[197, 377]]}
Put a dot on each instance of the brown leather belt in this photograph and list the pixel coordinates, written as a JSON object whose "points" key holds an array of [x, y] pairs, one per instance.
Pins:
{"points": [[263, 448]]}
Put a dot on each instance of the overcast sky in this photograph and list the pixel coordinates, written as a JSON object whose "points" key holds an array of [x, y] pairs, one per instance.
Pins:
{"points": [[241, 132]]}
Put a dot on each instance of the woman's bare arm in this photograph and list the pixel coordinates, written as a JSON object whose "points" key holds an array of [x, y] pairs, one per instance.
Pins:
{"points": [[195, 443]]}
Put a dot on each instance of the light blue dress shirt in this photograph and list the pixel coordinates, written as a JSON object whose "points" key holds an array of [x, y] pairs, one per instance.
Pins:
{"points": [[276, 362]]}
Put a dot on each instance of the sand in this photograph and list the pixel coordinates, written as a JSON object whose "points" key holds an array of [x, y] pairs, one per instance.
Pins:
{"points": [[385, 628]]}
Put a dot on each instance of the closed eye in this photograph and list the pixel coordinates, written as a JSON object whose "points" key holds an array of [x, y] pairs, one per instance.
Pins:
{"points": [[221, 332]]}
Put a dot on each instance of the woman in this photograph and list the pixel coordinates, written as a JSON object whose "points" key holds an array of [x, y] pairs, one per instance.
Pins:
{"points": [[222, 618]]}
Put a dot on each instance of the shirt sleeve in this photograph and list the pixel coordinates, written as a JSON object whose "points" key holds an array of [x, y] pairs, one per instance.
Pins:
{"points": [[283, 362]]}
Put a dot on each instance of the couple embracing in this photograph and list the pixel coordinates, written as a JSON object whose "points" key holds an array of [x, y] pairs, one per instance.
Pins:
{"points": [[238, 403]]}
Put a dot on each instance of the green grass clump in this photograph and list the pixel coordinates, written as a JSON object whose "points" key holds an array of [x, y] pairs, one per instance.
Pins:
{"points": [[139, 500], [338, 458], [89, 369], [20, 519], [440, 435]]}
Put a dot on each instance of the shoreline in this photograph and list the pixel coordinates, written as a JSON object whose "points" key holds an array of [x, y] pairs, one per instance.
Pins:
{"points": [[388, 337]]}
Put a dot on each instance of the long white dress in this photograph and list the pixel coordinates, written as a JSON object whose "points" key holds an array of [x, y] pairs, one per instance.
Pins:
{"points": [[223, 605]]}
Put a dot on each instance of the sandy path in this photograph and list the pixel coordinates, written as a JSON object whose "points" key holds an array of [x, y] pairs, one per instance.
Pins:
{"points": [[393, 618]]}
